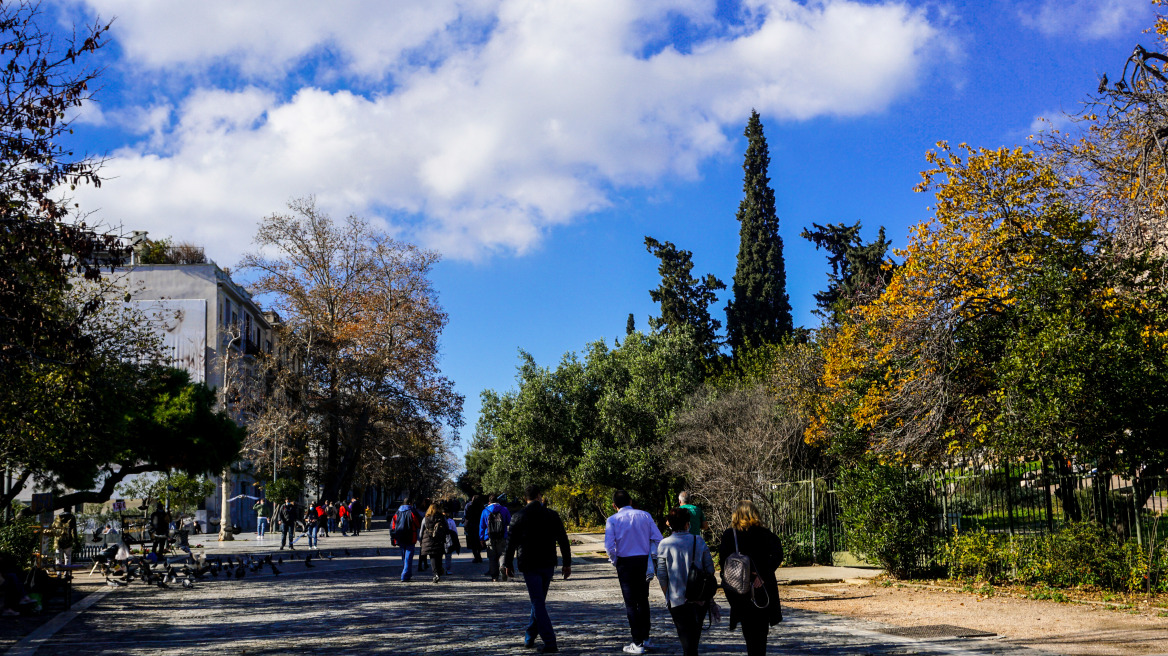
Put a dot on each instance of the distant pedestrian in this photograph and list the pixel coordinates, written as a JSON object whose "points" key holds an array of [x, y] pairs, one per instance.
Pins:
{"points": [[434, 531], [631, 538], [536, 531], [758, 608], [493, 525], [286, 515], [311, 526], [368, 517], [64, 537], [321, 509], [160, 529], [697, 518], [343, 513], [677, 555], [423, 557], [471, 514], [358, 515], [452, 543], [263, 511], [403, 532], [333, 515]]}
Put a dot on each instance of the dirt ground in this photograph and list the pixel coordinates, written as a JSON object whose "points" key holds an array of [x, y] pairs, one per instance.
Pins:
{"points": [[1049, 626]]}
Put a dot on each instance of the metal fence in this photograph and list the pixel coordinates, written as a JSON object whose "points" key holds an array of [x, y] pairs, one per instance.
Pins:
{"points": [[1008, 498]]}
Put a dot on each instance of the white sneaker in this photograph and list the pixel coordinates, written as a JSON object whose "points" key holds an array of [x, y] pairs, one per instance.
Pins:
{"points": [[633, 648]]}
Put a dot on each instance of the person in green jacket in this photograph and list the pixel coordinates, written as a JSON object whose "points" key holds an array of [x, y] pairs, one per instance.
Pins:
{"points": [[697, 518], [263, 509]]}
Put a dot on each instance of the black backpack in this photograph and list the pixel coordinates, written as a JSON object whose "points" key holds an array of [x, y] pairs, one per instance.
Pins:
{"points": [[403, 521], [496, 528]]}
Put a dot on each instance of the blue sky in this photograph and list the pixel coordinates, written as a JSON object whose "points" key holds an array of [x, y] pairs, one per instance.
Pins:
{"points": [[536, 142]]}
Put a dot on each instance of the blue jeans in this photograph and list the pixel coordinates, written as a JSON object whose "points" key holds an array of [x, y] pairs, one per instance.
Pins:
{"points": [[538, 582], [407, 561], [262, 526], [313, 536], [332, 525], [345, 526], [449, 561]]}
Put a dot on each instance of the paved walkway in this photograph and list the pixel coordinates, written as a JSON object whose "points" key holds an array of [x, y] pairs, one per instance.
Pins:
{"points": [[355, 605]]}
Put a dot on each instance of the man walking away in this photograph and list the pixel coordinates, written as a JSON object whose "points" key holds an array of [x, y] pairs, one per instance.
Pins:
{"points": [[263, 511], [160, 529], [493, 532], [287, 516], [343, 513], [473, 510], [631, 538], [358, 515], [697, 518], [403, 532], [535, 532]]}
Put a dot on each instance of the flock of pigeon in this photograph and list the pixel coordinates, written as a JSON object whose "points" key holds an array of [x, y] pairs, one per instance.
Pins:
{"points": [[187, 569]]}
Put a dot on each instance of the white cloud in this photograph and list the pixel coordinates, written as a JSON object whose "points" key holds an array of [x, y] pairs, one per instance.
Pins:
{"points": [[1088, 19], [506, 137]]}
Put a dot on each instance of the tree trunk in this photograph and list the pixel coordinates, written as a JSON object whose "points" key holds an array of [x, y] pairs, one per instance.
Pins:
{"points": [[225, 533]]}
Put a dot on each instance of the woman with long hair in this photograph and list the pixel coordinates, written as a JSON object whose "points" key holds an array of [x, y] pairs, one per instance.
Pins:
{"points": [[757, 609], [433, 531]]}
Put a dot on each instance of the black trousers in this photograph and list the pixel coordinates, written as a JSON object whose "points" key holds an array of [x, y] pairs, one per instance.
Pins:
{"points": [[630, 571], [754, 631], [495, 549], [688, 619]]}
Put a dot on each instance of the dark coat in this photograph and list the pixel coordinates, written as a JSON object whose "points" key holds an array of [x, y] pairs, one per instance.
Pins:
{"points": [[766, 554], [534, 533], [433, 534]]}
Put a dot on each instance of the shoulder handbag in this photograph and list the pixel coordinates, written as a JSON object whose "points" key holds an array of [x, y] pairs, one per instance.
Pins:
{"points": [[700, 586], [738, 574]]}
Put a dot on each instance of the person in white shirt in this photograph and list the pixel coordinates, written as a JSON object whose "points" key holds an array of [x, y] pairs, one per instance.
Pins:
{"points": [[631, 538]]}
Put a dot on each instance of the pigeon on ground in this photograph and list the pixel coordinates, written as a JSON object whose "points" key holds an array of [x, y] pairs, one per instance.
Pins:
{"points": [[239, 571], [275, 572], [280, 560], [187, 584], [346, 552], [378, 551], [308, 561]]}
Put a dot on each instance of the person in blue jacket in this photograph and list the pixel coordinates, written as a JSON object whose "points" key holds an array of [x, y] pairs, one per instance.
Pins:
{"points": [[493, 532]]}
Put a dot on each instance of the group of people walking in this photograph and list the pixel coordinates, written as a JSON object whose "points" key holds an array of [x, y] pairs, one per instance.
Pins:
{"points": [[324, 516], [527, 542]]}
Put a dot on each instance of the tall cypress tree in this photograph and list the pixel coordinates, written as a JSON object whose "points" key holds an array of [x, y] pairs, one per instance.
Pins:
{"points": [[685, 300], [759, 312]]}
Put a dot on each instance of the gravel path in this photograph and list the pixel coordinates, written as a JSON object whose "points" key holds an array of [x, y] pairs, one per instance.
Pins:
{"points": [[1072, 629], [355, 605]]}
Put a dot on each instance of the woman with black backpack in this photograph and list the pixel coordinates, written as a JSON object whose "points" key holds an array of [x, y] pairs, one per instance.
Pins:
{"points": [[686, 572], [750, 554], [433, 531]]}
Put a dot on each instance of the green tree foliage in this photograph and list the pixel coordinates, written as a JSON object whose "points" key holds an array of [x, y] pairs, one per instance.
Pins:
{"points": [[595, 421], [283, 488], [630, 325], [858, 270], [685, 301], [182, 491], [759, 312]]}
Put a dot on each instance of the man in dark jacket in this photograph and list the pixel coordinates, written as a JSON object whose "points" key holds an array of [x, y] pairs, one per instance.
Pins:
{"points": [[534, 533], [287, 515]]}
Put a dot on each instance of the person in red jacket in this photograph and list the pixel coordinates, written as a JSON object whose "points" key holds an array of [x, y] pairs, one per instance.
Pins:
{"points": [[403, 532], [343, 511]]}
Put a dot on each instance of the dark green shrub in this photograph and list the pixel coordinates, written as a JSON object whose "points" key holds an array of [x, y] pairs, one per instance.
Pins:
{"points": [[283, 488], [886, 512], [19, 539]]}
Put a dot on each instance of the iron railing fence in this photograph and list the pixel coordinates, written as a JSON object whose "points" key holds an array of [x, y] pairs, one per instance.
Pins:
{"points": [[1007, 498]]}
